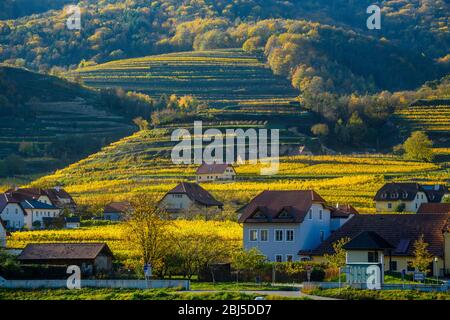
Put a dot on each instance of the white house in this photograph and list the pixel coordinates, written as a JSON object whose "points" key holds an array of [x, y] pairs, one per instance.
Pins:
{"points": [[189, 198], [399, 197], [282, 223], [73, 222], [215, 172], [11, 212], [3, 234], [37, 213]]}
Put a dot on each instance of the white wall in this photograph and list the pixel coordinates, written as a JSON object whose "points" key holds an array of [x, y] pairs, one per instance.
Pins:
{"points": [[38, 215], [176, 201], [307, 235], [410, 206], [13, 216], [2, 237]]}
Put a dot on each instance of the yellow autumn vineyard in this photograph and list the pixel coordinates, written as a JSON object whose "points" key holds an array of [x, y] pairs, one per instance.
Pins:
{"points": [[115, 236]]}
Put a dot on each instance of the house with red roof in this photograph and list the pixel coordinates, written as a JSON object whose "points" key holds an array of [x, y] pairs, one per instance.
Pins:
{"points": [[215, 172], [282, 223]]}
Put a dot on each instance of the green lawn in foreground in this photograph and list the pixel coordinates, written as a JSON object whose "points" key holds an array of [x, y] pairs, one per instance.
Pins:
{"points": [[233, 286], [355, 294], [131, 294]]}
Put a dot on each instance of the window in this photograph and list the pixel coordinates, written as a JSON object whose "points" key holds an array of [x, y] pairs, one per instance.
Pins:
{"points": [[289, 258], [393, 266], [320, 214], [253, 235], [289, 235], [322, 235], [17, 211], [278, 235], [389, 205], [410, 267], [278, 258], [421, 196], [372, 256], [416, 205], [310, 214], [264, 235]]}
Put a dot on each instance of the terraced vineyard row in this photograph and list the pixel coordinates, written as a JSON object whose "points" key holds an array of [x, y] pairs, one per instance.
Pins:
{"points": [[61, 119], [140, 164], [213, 76]]}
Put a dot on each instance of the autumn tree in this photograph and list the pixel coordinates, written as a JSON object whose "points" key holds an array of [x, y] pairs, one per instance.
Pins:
{"points": [[146, 229], [247, 260], [337, 259], [422, 257], [418, 147], [141, 123], [198, 252]]}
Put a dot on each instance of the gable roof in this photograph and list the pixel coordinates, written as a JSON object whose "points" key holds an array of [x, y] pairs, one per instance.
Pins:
{"points": [[213, 168], [272, 203], [394, 228], [54, 194], [434, 208], [394, 191], [120, 206], [6, 198], [368, 240], [61, 251], [195, 193], [406, 191]]}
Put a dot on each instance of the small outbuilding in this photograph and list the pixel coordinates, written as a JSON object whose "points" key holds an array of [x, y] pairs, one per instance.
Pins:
{"points": [[116, 211], [92, 258], [73, 222]]}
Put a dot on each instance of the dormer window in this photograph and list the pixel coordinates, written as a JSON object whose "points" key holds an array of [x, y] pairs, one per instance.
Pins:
{"points": [[405, 195], [259, 215], [395, 195], [284, 214], [384, 195]]}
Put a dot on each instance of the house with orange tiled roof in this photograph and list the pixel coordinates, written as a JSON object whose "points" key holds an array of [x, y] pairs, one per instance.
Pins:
{"points": [[282, 223]]}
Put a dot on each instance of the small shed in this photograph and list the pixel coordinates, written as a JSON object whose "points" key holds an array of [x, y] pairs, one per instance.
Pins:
{"points": [[73, 222], [92, 258], [116, 211]]}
